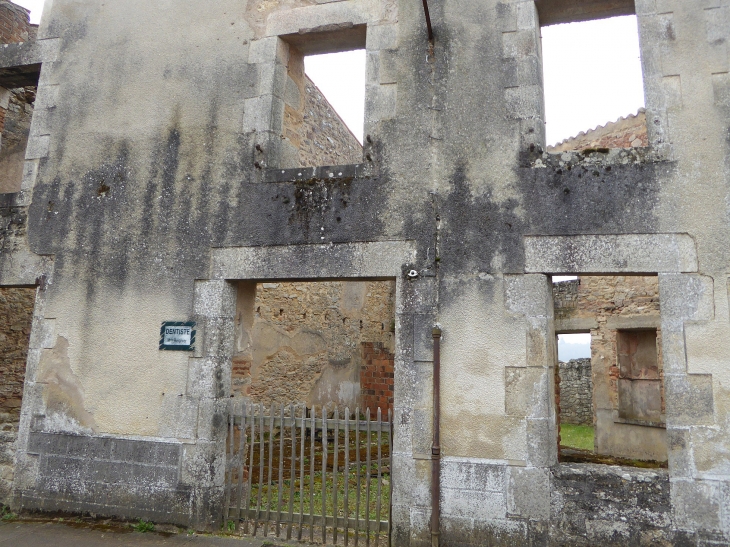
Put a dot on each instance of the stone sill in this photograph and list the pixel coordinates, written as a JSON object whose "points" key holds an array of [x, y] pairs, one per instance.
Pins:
{"points": [[644, 423], [601, 157], [319, 174]]}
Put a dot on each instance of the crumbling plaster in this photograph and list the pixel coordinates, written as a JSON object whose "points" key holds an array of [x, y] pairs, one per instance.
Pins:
{"points": [[152, 209]]}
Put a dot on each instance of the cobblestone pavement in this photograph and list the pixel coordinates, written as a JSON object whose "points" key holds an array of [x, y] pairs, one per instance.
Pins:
{"points": [[35, 534]]}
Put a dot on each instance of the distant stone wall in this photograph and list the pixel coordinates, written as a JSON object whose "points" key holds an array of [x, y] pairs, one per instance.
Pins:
{"points": [[16, 315], [305, 341], [314, 134], [576, 392]]}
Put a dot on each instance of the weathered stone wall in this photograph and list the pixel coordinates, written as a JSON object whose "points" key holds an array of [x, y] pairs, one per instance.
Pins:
{"points": [[16, 314], [15, 117], [16, 105], [305, 342], [576, 392], [607, 505], [602, 305], [314, 132]]}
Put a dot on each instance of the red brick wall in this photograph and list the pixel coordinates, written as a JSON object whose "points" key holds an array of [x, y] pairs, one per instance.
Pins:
{"points": [[16, 314], [15, 24], [376, 377]]}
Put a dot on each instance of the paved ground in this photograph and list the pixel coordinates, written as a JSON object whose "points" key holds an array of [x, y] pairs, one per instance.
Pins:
{"points": [[34, 534]]}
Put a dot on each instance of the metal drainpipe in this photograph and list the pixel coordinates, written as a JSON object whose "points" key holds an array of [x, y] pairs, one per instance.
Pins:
{"points": [[436, 445]]}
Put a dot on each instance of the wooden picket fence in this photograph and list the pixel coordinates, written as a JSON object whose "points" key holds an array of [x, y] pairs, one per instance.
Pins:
{"points": [[309, 473]]}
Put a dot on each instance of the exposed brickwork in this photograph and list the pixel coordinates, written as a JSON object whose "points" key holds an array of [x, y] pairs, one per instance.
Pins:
{"points": [[15, 24], [628, 132], [377, 377], [16, 314]]}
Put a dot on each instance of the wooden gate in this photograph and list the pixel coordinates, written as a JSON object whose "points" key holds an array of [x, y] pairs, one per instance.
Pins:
{"points": [[309, 473]]}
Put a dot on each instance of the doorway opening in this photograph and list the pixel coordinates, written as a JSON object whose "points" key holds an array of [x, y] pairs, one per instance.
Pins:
{"points": [[609, 378]]}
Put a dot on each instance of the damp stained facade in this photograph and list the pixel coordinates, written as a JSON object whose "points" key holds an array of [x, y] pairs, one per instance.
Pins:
{"points": [[155, 180]]}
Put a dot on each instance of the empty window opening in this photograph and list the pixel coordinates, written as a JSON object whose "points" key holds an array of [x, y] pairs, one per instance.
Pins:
{"points": [[324, 109], [594, 92], [317, 343], [16, 317], [609, 379]]}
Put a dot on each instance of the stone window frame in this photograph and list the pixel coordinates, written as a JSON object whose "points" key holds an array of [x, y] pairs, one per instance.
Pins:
{"points": [[687, 312], [325, 28], [524, 86], [207, 395]]}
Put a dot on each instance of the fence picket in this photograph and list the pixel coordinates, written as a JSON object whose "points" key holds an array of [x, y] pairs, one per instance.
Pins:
{"points": [[250, 466], [347, 476], [280, 513], [335, 465], [379, 433], [324, 475], [241, 457], [281, 471], [261, 468], [292, 469], [301, 474], [311, 474], [357, 475], [367, 481]]}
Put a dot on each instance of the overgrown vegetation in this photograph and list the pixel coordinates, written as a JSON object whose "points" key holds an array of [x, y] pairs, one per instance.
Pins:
{"points": [[143, 526], [6, 515]]}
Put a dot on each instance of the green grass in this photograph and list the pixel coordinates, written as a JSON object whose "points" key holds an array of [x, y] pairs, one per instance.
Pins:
{"points": [[577, 436], [317, 496]]}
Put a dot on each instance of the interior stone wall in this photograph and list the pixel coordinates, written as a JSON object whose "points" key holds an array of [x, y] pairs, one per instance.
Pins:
{"points": [[314, 134], [305, 341]]}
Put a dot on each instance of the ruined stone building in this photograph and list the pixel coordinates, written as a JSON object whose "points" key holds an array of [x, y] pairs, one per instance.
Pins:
{"points": [[178, 178]]}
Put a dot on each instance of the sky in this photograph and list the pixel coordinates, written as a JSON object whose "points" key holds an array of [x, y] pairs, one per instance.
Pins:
{"points": [[329, 71], [35, 7]]}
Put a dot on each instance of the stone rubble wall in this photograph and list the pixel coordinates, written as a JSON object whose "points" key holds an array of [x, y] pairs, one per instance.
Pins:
{"points": [[16, 105], [314, 134], [15, 129], [576, 392], [306, 341], [16, 314]]}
